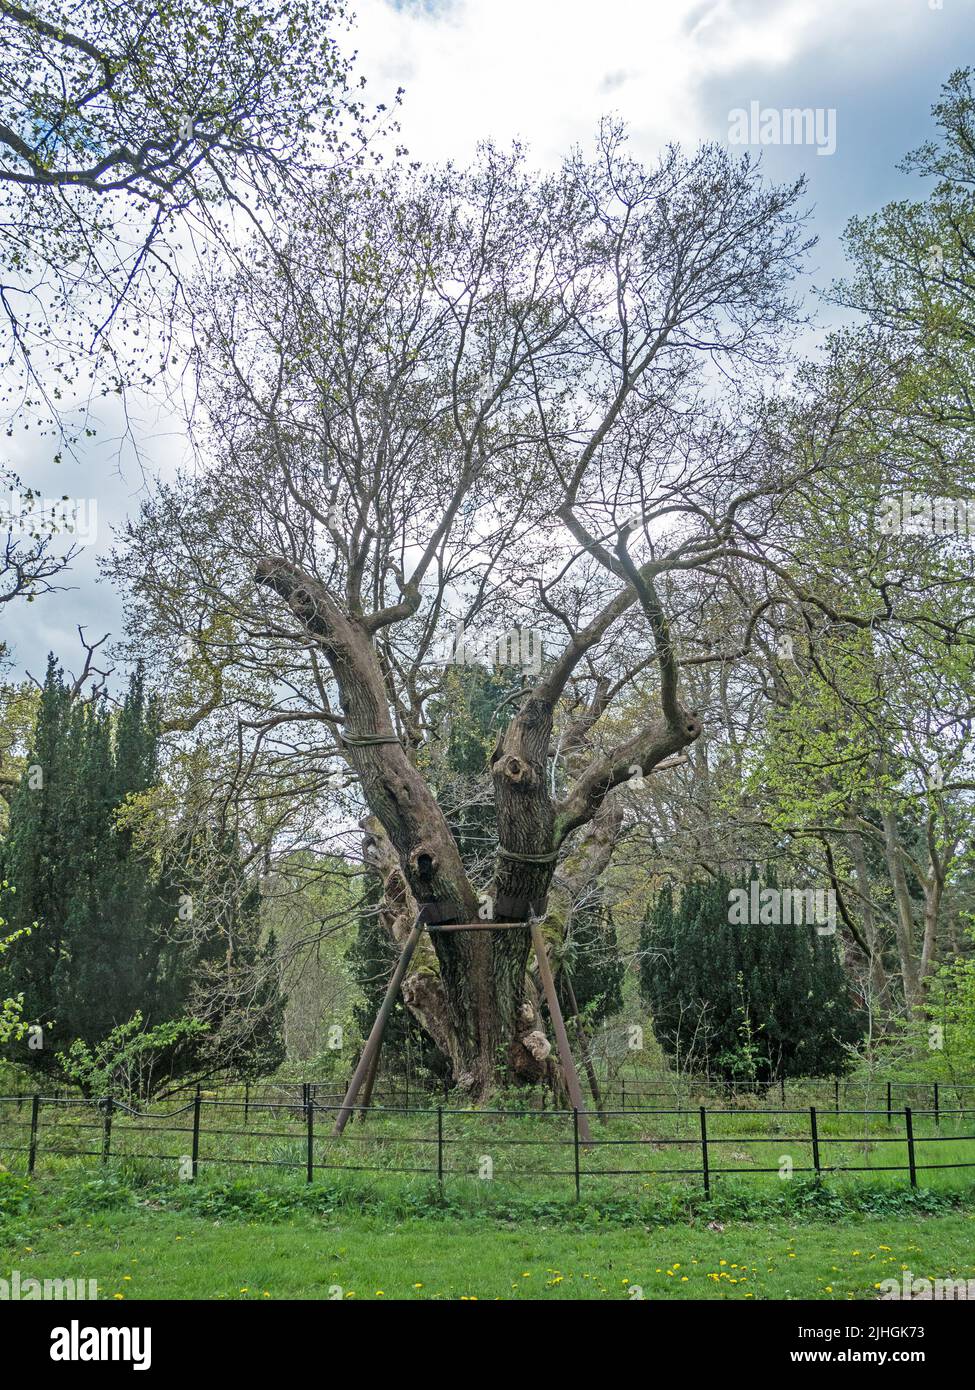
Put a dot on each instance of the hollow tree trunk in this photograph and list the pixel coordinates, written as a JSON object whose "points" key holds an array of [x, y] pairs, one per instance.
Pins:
{"points": [[477, 1003], [469, 990]]}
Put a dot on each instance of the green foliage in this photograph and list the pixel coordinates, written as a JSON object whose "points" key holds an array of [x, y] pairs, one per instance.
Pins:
{"points": [[111, 941], [913, 276], [595, 966], [123, 1063], [937, 1043], [235, 984], [11, 1022], [98, 952], [747, 1001]]}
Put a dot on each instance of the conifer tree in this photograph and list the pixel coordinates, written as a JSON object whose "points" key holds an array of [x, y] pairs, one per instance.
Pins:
{"points": [[107, 943], [743, 999]]}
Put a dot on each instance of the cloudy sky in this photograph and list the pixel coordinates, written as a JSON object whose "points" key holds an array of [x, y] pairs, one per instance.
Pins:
{"points": [[543, 72]]}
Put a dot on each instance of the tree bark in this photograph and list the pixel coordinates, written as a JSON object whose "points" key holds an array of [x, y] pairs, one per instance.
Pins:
{"points": [[904, 917], [477, 1005]]}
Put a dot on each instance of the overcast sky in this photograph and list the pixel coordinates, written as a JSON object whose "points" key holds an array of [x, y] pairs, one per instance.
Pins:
{"points": [[544, 71]]}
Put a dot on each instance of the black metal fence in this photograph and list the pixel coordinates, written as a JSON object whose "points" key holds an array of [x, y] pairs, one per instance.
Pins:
{"points": [[448, 1140], [622, 1093]]}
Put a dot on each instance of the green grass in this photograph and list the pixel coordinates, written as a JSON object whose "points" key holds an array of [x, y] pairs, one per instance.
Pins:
{"points": [[633, 1151], [144, 1253], [246, 1231], [140, 1238]]}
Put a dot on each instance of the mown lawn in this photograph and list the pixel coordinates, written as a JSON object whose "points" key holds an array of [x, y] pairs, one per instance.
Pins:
{"points": [[146, 1253]]}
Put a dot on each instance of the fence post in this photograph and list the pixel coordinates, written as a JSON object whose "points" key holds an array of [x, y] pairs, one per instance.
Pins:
{"points": [[197, 1105], [888, 1104], [815, 1138], [704, 1151], [782, 1090], [836, 1093], [937, 1108], [623, 1093], [909, 1121], [35, 1111], [310, 1116], [195, 1154], [247, 1101], [575, 1144], [107, 1135], [440, 1148]]}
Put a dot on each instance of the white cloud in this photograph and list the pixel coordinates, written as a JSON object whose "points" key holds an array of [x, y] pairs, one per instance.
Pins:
{"points": [[546, 70]]}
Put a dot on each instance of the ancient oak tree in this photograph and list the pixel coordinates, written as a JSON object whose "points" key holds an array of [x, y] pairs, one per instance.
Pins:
{"points": [[442, 408]]}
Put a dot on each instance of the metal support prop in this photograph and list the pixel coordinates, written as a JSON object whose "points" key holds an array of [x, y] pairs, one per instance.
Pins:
{"points": [[365, 1072], [584, 1044], [374, 1041], [369, 1083], [555, 1013]]}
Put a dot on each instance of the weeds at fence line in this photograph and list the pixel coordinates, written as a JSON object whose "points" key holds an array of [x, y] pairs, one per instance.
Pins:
{"points": [[631, 1146]]}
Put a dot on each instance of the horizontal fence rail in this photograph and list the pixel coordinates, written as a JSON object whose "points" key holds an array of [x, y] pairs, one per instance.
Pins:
{"points": [[292, 1130], [620, 1092]]}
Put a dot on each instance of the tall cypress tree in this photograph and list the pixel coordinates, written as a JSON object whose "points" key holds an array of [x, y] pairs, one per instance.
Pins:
{"points": [[93, 958], [107, 941], [595, 967]]}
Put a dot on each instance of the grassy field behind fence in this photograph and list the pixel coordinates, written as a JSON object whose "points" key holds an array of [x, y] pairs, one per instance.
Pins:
{"points": [[698, 1139]]}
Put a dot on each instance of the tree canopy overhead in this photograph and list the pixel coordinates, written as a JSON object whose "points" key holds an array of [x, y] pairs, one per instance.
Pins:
{"points": [[133, 137]]}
